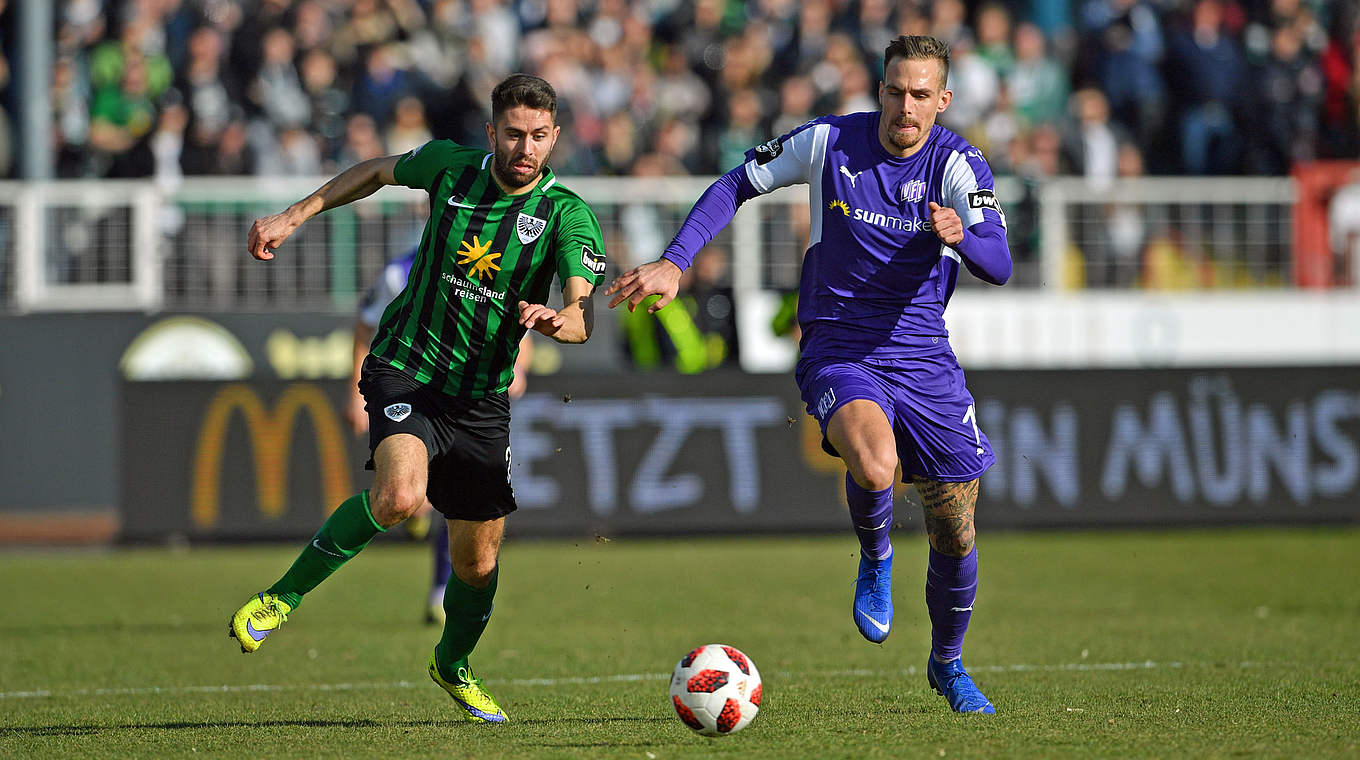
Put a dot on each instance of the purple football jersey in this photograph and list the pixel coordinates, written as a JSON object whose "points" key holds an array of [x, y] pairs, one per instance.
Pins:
{"points": [[875, 278]]}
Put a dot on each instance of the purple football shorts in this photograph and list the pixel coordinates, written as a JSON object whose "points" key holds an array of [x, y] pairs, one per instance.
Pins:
{"points": [[931, 411]]}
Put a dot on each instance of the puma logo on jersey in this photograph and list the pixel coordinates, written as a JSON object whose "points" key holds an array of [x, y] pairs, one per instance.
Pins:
{"points": [[851, 177]]}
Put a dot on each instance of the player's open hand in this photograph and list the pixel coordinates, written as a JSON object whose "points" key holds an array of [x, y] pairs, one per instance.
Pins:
{"points": [[946, 223], [268, 233], [536, 316], [661, 277]]}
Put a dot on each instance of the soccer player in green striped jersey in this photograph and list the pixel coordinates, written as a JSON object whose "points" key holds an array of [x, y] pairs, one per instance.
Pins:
{"points": [[434, 383]]}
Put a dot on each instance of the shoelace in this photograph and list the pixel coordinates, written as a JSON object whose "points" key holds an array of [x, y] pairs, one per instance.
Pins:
{"points": [[263, 613], [465, 676]]}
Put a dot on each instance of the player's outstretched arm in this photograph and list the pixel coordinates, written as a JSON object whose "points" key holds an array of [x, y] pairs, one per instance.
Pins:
{"points": [[359, 181], [660, 277], [982, 246], [573, 323]]}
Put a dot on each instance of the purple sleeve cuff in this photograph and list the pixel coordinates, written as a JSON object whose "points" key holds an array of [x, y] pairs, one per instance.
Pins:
{"points": [[714, 209], [986, 253]]}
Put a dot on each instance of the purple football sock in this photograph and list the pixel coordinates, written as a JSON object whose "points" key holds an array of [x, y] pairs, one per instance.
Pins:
{"points": [[951, 586], [439, 545], [871, 513]]}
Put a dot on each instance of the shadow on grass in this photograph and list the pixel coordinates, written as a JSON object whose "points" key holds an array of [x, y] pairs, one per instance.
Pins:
{"points": [[92, 730]]}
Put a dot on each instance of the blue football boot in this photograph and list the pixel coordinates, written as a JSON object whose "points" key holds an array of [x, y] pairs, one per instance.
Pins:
{"points": [[950, 680], [873, 598]]}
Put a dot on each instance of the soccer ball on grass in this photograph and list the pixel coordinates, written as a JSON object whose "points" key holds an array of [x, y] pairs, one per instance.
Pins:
{"points": [[716, 690]]}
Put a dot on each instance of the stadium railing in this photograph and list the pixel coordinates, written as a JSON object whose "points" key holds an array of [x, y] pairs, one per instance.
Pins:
{"points": [[140, 246]]}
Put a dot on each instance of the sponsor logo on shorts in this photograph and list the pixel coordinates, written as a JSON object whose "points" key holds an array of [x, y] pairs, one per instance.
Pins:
{"points": [[825, 403], [397, 412]]}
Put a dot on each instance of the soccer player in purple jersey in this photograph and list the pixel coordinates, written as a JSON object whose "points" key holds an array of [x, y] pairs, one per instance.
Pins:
{"points": [[899, 204]]}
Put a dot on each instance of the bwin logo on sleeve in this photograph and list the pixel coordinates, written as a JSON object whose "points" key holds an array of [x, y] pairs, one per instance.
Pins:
{"points": [[397, 412], [592, 260]]}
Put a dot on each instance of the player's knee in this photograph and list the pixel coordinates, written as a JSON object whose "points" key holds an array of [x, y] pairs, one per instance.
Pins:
{"points": [[475, 571], [392, 504], [874, 473], [950, 543]]}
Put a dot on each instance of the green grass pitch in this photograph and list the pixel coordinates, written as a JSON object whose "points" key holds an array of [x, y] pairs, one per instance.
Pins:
{"points": [[1202, 643]]}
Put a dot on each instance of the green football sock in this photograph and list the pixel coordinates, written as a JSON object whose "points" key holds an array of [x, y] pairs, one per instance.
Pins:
{"points": [[466, 610], [345, 533]]}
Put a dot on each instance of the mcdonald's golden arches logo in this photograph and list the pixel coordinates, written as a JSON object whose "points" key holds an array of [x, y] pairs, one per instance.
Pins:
{"points": [[271, 438]]}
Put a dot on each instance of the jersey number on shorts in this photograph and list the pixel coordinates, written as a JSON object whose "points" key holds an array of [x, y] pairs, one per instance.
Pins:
{"points": [[971, 416]]}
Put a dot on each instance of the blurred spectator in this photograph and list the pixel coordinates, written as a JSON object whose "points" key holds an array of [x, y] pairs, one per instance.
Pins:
{"points": [[70, 118], [742, 130], [673, 76], [362, 141], [121, 115], [797, 97], [408, 128], [327, 101], [1290, 99], [211, 95], [277, 89], [1037, 84], [381, 83], [1123, 50], [1343, 223], [994, 38], [947, 21], [1210, 77], [1092, 142], [975, 85], [294, 152]]}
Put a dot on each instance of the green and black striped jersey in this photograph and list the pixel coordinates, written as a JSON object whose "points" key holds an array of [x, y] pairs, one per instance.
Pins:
{"points": [[456, 325]]}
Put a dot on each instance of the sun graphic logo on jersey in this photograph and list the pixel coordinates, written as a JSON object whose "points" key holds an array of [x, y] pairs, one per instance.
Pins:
{"points": [[479, 256], [845, 209]]}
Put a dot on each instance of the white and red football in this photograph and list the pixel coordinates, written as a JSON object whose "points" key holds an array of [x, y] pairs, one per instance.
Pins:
{"points": [[716, 690]]}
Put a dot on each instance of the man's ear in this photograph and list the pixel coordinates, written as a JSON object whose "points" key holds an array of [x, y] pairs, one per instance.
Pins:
{"points": [[491, 135], [946, 98]]}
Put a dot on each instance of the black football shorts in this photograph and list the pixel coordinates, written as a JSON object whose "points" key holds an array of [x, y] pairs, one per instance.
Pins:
{"points": [[467, 439]]}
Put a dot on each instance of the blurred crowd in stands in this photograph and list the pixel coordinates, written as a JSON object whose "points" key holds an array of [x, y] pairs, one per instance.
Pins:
{"points": [[1100, 88]]}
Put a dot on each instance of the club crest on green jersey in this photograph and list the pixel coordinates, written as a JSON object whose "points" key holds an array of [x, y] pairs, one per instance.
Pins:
{"points": [[529, 227]]}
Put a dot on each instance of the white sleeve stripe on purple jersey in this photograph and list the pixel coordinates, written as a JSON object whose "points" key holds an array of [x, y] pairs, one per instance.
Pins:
{"points": [[788, 161], [966, 195]]}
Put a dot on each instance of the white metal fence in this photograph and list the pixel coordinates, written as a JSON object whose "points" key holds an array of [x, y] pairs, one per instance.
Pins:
{"points": [[133, 246]]}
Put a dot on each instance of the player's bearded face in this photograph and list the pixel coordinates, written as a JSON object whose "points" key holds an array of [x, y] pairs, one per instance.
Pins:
{"points": [[911, 95], [521, 141]]}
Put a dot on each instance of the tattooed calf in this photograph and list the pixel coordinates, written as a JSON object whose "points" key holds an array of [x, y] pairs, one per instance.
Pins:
{"points": [[948, 511]]}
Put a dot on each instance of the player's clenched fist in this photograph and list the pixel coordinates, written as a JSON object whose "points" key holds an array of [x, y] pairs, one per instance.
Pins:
{"points": [[268, 233], [946, 223]]}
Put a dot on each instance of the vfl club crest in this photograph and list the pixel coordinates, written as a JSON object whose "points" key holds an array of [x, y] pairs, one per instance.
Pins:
{"points": [[529, 228], [914, 191]]}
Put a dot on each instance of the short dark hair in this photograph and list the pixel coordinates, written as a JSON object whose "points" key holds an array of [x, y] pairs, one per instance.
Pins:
{"points": [[523, 90], [919, 47]]}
